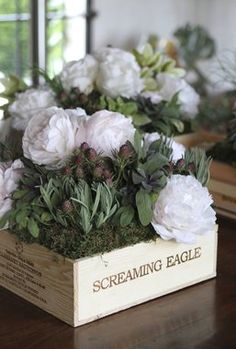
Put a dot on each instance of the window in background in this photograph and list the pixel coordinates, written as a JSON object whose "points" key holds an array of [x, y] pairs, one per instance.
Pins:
{"points": [[15, 37], [66, 32], [43, 33]]}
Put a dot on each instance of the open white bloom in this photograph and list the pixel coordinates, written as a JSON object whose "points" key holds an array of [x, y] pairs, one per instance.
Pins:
{"points": [[10, 174], [81, 74], [178, 149], [183, 210], [29, 103], [187, 97], [118, 73], [107, 131], [52, 135]]}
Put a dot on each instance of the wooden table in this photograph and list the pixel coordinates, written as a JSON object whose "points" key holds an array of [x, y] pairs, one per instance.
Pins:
{"points": [[202, 316]]}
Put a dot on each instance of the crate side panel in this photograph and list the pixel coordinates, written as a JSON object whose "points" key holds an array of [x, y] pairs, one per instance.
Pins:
{"points": [[38, 275], [224, 195], [126, 277]]}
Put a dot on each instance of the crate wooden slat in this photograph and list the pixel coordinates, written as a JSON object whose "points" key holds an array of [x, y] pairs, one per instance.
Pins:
{"points": [[204, 138], [84, 290]]}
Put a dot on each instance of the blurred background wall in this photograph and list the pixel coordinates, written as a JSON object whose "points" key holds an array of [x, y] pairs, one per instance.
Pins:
{"points": [[50, 32], [121, 22]]}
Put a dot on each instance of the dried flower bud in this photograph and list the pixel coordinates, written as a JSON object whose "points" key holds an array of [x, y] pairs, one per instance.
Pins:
{"points": [[83, 98], [171, 167], [98, 171], [107, 174], [79, 172], [125, 152], [67, 206], [191, 167], [79, 159], [67, 171], [63, 96], [180, 164], [109, 182], [91, 154], [84, 146]]}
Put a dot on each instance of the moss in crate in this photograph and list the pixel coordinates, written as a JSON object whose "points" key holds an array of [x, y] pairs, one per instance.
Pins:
{"points": [[75, 244]]}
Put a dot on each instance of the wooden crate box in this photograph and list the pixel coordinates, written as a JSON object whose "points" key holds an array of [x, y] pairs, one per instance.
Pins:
{"points": [[84, 290]]}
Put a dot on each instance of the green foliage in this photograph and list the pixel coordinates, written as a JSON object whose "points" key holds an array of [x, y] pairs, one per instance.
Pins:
{"points": [[61, 200], [225, 150], [201, 164], [94, 206], [152, 63], [144, 207], [196, 163], [195, 44], [126, 107], [92, 192], [140, 180], [11, 149], [12, 85], [215, 114], [165, 116]]}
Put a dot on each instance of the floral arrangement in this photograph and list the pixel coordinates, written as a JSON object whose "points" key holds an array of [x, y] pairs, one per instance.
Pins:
{"points": [[85, 184], [143, 84], [225, 151]]}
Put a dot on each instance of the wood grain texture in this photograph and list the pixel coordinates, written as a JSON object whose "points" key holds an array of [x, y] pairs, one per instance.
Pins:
{"points": [[87, 289], [170, 275], [203, 138], [38, 275], [202, 316], [223, 172]]}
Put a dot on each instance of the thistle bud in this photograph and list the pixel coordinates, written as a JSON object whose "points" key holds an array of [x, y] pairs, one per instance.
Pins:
{"points": [[180, 164], [63, 96], [84, 146], [191, 167], [109, 182], [125, 152], [67, 171], [91, 154], [67, 206], [79, 172], [83, 98], [107, 174], [79, 159], [171, 167], [98, 171]]}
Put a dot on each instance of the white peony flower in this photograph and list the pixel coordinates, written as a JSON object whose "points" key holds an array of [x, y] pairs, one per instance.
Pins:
{"points": [[29, 103], [118, 73], [52, 135], [183, 210], [81, 74], [10, 174], [187, 97], [107, 131], [178, 149]]}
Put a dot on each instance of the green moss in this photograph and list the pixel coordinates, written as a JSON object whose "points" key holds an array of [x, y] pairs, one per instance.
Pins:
{"points": [[75, 244]]}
